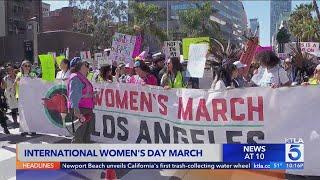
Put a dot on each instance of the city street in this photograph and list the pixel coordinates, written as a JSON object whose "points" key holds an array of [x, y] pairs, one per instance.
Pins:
{"points": [[8, 159]]}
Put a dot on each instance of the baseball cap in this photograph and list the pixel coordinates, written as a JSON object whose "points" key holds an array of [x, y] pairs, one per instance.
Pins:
{"points": [[75, 61], [239, 64], [137, 64]]}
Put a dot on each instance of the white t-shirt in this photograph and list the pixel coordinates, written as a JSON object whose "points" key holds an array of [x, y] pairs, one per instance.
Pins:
{"points": [[276, 75], [218, 86], [63, 75]]}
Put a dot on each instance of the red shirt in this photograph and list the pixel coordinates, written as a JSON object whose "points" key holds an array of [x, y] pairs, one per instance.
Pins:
{"points": [[149, 80]]}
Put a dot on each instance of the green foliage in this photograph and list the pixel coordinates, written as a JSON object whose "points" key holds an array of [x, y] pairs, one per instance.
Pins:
{"points": [[303, 25], [283, 36], [196, 22], [98, 18]]}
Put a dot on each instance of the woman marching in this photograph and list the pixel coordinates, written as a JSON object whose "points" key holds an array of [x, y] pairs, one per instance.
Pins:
{"points": [[80, 100], [65, 70], [25, 73], [173, 77], [10, 93]]}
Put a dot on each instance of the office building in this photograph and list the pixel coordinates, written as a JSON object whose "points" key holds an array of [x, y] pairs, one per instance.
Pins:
{"points": [[45, 9], [277, 8]]}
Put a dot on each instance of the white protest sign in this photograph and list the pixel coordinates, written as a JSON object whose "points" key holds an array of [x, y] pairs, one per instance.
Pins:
{"points": [[98, 57], [307, 47], [140, 114], [197, 60], [122, 48], [86, 56], [172, 49]]}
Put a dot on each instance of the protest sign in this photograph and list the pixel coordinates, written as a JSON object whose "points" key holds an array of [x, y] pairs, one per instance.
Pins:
{"points": [[306, 47], [187, 41], [197, 60], [172, 49], [137, 47], [59, 59], [122, 48], [260, 49], [47, 67], [126, 113], [86, 56], [97, 58]]}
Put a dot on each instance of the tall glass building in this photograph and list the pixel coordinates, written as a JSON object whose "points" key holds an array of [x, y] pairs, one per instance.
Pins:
{"points": [[277, 9]]}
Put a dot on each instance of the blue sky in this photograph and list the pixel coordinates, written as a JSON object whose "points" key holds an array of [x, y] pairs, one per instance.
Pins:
{"points": [[255, 9]]}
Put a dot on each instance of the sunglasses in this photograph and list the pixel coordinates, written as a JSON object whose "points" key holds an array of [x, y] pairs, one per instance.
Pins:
{"points": [[26, 66]]}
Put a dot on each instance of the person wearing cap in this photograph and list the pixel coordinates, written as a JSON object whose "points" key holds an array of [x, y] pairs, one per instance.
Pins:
{"points": [[315, 80], [81, 99], [143, 75], [158, 68], [239, 81]]}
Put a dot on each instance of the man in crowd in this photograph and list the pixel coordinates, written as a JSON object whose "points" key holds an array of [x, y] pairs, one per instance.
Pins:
{"points": [[240, 82], [158, 68]]}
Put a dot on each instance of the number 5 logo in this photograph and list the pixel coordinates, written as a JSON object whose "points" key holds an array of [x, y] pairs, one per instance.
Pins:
{"points": [[294, 152]]}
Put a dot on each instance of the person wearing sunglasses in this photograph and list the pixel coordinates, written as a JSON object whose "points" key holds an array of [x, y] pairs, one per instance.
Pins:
{"points": [[105, 75], [81, 100], [173, 77], [25, 73]]}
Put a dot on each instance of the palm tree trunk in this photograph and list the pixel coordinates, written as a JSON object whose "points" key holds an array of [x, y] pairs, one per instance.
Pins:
{"points": [[317, 9]]}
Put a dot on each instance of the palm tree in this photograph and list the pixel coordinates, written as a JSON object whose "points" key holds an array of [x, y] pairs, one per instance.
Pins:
{"points": [[196, 22], [147, 17], [283, 37], [302, 24]]}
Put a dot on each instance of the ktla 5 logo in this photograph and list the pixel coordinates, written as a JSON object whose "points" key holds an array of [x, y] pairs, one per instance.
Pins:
{"points": [[294, 150]]}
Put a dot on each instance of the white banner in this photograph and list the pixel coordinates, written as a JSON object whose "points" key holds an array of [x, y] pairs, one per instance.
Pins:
{"points": [[127, 113]]}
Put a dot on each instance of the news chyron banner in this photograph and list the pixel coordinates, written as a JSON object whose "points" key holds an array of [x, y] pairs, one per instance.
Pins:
{"points": [[162, 156], [131, 114]]}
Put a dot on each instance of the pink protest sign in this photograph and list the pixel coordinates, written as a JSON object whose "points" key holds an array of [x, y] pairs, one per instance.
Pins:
{"points": [[263, 48], [123, 47]]}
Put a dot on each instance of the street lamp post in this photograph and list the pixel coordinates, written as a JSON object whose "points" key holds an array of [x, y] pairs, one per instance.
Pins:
{"points": [[33, 26]]}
